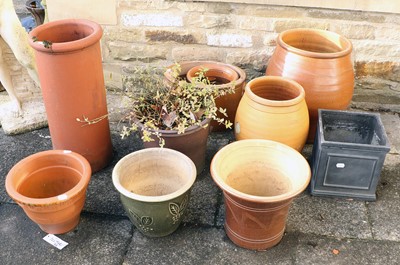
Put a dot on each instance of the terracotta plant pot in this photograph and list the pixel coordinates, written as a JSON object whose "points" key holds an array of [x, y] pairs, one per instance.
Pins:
{"points": [[259, 179], [154, 186], [229, 102], [50, 186], [192, 143], [70, 70], [321, 62], [273, 108]]}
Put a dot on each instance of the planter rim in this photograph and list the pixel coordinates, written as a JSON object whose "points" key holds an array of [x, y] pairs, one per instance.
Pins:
{"points": [[385, 147], [226, 69], [275, 103], [59, 199], [68, 46], [241, 73], [189, 130], [319, 55], [261, 143], [188, 184]]}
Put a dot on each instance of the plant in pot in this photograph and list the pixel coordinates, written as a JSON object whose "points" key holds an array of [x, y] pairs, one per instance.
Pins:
{"points": [[174, 114]]}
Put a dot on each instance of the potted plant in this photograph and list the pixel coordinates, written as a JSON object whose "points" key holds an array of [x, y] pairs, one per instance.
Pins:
{"points": [[174, 114]]}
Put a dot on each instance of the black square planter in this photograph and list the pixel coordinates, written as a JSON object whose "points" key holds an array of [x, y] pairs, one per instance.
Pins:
{"points": [[348, 154]]}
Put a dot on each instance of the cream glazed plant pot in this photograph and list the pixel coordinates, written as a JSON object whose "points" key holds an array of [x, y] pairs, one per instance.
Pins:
{"points": [[259, 179], [154, 186]]}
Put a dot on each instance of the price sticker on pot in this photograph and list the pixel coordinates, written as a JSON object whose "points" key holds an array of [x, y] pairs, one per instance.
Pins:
{"points": [[55, 241]]}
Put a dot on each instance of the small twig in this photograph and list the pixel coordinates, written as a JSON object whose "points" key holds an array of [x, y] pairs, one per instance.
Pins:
{"points": [[90, 122]]}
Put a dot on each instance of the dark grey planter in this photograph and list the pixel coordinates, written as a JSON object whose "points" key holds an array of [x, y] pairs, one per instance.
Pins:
{"points": [[348, 154]]}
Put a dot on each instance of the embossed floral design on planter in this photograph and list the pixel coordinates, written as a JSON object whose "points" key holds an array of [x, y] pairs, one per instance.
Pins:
{"points": [[154, 186]]}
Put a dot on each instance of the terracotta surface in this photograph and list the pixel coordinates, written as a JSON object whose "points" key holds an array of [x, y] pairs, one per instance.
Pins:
{"points": [[321, 62], [229, 102], [154, 186], [273, 108], [192, 143], [216, 73], [259, 179], [71, 77], [51, 186]]}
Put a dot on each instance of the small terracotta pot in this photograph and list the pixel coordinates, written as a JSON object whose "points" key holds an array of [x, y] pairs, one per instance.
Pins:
{"points": [[216, 73], [71, 78], [229, 102], [259, 179], [154, 186], [273, 108], [321, 62], [50, 186], [192, 143]]}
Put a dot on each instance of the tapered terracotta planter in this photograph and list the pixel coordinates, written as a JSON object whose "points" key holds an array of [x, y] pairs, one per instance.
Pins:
{"points": [[154, 186], [321, 62], [70, 70], [192, 143], [273, 108], [229, 102], [50, 186], [259, 179], [216, 73]]}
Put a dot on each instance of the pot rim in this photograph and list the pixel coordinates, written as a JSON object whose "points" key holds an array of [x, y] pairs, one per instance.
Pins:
{"points": [[228, 71], [263, 143], [59, 199], [189, 130], [300, 32], [68, 46], [239, 71], [271, 80], [143, 198]]}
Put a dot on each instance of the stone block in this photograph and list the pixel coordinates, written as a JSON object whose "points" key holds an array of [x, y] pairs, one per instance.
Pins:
{"points": [[151, 20], [256, 23], [346, 15], [184, 53], [258, 59], [170, 36], [354, 31], [122, 51], [282, 25], [230, 40], [208, 21]]}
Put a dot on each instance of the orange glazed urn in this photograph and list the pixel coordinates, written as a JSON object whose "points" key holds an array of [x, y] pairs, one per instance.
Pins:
{"points": [[259, 179], [68, 59], [321, 62], [50, 186], [273, 108]]}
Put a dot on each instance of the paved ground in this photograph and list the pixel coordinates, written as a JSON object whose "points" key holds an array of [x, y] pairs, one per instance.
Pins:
{"points": [[319, 230]]}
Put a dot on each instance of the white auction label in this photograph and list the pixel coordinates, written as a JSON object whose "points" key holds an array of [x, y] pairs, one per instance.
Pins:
{"points": [[55, 241]]}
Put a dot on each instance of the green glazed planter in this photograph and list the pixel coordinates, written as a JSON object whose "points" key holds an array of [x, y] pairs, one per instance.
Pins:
{"points": [[154, 186]]}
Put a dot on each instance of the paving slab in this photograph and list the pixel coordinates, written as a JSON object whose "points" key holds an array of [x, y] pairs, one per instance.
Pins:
{"points": [[96, 240], [326, 250], [200, 245]]}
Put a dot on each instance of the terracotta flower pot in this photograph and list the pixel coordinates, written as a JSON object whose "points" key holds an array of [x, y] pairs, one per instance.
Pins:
{"points": [[273, 108], [154, 186], [259, 179], [229, 102], [320, 61], [192, 143], [50, 186], [70, 70]]}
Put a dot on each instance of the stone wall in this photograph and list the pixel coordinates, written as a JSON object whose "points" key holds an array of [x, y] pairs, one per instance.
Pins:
{"points": [[163, 31]]}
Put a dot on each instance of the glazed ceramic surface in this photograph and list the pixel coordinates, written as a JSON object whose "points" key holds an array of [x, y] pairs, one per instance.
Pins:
{"points": [[154, 186], [192, 143], [273, 108], [321, 62], [71, 77], [259, 179], [50, 186], [229, 102]]}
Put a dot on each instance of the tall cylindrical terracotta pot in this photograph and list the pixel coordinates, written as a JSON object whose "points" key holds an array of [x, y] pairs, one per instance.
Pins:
{"points": [[273, 108], [70, 70], [259, 179], [321, 62], [229, 102], [193, 142], [50, 186]]}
